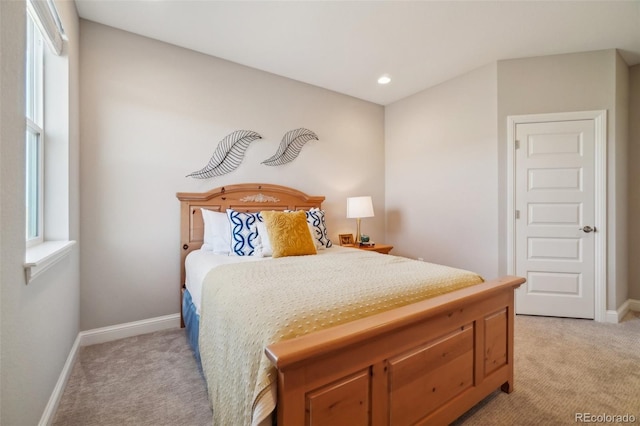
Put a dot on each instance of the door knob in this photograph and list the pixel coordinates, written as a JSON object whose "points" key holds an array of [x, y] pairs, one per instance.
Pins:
{"points": [[588, 229]]}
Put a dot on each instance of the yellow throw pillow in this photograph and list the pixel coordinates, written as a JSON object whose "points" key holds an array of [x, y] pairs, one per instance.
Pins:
{"points": [[288, 233]]}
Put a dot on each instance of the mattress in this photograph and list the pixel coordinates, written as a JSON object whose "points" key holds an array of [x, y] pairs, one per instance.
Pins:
{"points": [[197, 265], [200, 262]]}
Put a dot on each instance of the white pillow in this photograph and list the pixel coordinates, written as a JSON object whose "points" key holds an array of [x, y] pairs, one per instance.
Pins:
{"points": [[315, 217], [217, 232], [264, 244]]}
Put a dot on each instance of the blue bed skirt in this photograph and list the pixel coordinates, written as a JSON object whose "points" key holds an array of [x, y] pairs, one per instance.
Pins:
{"points": [[191, 323]]}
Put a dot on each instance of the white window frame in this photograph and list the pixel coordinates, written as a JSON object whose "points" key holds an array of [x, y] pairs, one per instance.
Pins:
{"points": [[34, 87], [50, 76]]}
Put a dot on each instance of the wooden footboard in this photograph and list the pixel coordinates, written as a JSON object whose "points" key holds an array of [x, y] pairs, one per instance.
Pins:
{"points": [[425, 363]]}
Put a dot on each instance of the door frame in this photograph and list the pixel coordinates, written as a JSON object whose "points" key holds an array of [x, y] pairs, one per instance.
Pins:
{"points": [[600, 127]]}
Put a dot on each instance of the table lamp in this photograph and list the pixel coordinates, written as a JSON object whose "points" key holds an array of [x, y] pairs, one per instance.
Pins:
{"points": [[358, 208]]}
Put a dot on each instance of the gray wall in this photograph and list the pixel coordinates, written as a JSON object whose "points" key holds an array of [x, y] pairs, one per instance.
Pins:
{"points": [[39, 321], [573, 82], [441, 165], [152, 113], [634, 182], [446, 158]]}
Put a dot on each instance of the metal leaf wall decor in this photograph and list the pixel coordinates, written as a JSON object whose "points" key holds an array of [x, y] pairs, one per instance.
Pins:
{"points": [[228, 154], [292, 143]]}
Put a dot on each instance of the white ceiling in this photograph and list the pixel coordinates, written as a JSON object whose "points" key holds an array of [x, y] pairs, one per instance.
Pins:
{"points": [[346, 45]]}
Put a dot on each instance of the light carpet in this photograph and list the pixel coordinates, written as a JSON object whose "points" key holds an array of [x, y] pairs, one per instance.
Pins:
{"points": [[563, 368], [566, 368], [151, 379]]}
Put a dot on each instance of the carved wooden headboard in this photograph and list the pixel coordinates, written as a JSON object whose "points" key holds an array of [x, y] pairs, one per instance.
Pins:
{"points": [[246, 197]]}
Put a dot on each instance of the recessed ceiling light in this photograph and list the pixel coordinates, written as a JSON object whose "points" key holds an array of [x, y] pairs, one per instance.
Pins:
{"points": [[384, 79]]}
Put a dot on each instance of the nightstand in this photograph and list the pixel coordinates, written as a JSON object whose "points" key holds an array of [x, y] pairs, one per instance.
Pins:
{"points": [[380, 248]]}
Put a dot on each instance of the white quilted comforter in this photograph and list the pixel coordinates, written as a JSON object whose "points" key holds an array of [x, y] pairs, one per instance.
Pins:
{"points": [[248, 306]]}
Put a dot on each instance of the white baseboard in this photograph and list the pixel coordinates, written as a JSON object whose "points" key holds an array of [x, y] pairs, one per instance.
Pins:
{"points": [[102, 335], [54, 400], [129, 329], [617, 315]]}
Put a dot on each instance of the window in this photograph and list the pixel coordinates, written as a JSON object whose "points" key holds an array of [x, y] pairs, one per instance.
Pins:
{"points": [[34, 135], [47, 102]]}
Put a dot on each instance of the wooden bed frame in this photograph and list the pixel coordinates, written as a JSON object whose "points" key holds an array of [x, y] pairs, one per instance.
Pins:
{"points": [[425, 363], [245, 197]]}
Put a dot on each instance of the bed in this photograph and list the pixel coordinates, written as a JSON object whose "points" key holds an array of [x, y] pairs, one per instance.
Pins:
{"points": [[424, 362]]}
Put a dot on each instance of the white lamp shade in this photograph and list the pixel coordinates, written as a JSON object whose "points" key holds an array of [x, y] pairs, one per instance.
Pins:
{"points": [[359, 207]]}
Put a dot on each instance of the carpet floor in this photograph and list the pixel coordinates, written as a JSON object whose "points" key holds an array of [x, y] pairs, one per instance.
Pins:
{"points": [[151, 380], [565, 369]]}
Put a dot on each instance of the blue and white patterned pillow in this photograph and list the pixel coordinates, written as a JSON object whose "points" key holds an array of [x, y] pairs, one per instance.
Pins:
{"points": [[315, 217], [244, 233]]}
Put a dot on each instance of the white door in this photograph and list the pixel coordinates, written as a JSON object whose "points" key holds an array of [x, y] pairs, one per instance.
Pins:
{"points": [[555, 218]]}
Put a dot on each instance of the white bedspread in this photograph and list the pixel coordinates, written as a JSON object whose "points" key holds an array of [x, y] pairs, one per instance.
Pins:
{"points": [[247, 307], [198, 264]]}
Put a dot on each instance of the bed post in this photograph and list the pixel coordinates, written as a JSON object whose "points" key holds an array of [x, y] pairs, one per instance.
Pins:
{"points": [[507, 386]]}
